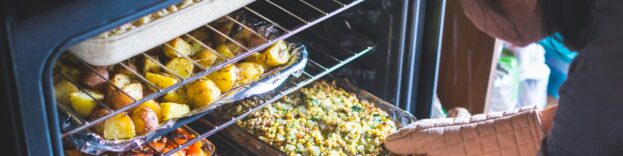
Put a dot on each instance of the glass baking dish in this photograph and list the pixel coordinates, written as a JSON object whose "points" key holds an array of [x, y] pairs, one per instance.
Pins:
{"points": [[252, 143]]}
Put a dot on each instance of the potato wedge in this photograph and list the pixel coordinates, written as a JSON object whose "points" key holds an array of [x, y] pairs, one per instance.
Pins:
{"points": [[203, 92], [151, 104], [145, 120], [82, 103], [181, 66], [225, 78], [95, 114], [195, 47], [160, 80], [177, 96], [171, 110], [120, 80], [150, 65], [119, 126], [62, 89], [249, 71], [177, 48], [95, 80], [276, 54], [99, 96], [206, 58], [225, 50], [118, 99]]}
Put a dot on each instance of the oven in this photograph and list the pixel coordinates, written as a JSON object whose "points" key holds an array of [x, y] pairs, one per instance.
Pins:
{"points": [[387, 48]]}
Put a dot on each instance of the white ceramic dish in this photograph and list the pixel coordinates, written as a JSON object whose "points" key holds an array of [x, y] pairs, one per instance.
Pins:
{"points": [[108, 51]]}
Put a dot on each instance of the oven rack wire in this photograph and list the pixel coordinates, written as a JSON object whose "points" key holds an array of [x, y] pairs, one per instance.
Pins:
{"points": [[303, 23], [315, 69]]}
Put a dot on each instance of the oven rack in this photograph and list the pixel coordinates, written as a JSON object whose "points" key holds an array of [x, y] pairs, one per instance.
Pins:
{"points": [[260, 9], [322, 62]]}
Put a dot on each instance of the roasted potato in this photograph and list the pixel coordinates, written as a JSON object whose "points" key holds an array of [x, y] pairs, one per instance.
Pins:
{"points": [[69, 72], [195, 47], [225, 78], [99, 96], [200, 34], [181, 66], [177, 96], [119, 126], [94, 81], [118, 99], [224, 27], [95, 114], [82, 103], [173, 110], [249, 71], [62, 89], [145, 120], [276, 54], [206, 58], [202, 92], [130, 69], [255, 57], [235, 48], [243, 35], [177, 48], [255, 41], [151, 104], [120, 80], [160, 80], [150, 65], [225, 51]]}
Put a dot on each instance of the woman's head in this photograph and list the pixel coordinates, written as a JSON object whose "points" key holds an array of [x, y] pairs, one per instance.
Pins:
{"points": [[522, 22]]}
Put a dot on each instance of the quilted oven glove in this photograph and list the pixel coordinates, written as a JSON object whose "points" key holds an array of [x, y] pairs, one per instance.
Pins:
{"points": [[516, 133]]}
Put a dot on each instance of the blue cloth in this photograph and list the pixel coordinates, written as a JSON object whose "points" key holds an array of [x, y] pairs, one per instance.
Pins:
{"points": [[558, 58]]}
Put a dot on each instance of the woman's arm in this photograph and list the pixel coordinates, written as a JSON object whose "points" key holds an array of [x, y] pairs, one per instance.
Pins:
{"points": [[547, 117]]}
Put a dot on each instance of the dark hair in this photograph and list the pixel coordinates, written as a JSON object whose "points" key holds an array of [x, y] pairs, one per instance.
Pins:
{"points": [[571, 19]]}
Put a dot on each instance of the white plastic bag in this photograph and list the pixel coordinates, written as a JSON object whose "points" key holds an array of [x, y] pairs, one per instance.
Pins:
{"points": [[533, 76]]}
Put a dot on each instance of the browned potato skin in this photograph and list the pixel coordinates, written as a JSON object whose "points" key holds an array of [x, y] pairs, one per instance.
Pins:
{"points": [[145, 120], [94, 81], [224, 28], [118, 99], [126, 71], [97, 113]]}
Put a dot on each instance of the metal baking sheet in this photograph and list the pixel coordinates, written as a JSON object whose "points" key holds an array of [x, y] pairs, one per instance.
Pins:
{"points": [[89, 142], [252, 143], [111, 50]]}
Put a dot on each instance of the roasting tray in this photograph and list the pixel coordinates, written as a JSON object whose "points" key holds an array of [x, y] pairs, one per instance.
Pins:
{"points": [[100, 51], [252, 143], [89, 142]]}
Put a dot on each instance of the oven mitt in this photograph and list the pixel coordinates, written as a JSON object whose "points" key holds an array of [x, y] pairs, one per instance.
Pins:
{"points": [[515, 133]]}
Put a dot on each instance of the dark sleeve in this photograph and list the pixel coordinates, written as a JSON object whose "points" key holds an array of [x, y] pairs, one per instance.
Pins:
{"points": [[589, 118]]}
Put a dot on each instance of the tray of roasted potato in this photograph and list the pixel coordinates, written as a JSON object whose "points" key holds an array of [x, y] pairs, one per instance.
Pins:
{"points": [[88, 92], [328, 117], [151, 30], [161, 145]]}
